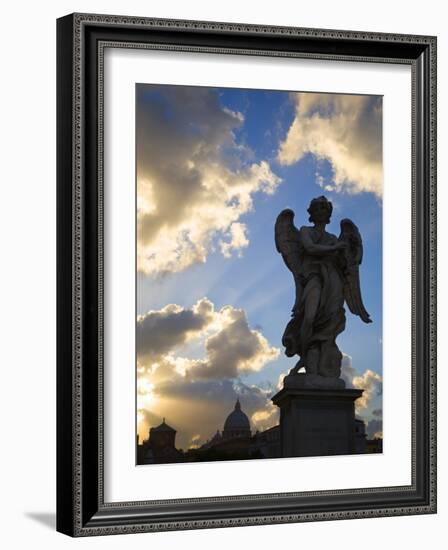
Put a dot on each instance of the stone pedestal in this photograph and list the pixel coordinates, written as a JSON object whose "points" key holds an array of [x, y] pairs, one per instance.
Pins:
{"points": [[316, 421]]}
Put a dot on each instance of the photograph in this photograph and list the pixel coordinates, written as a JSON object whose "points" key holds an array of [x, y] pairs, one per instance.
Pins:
{"points": [[246, 305], [258, 273], [224, 221]]}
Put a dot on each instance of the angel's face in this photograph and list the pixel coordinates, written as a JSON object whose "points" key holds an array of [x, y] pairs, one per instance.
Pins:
{"points": [[320, 212]]}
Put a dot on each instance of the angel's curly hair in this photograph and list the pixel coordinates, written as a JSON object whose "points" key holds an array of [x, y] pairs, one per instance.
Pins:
{"points": [[315, 202]]}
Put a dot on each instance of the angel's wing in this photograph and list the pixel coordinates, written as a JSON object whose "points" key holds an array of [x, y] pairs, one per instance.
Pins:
{"points": [[353, 256], [287, 240]]}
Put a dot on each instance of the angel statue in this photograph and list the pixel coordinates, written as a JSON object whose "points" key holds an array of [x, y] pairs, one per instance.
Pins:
{"points": [[326, 273]]}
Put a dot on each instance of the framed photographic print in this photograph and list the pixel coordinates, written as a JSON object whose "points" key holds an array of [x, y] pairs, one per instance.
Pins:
{"points": [[246, 274]]}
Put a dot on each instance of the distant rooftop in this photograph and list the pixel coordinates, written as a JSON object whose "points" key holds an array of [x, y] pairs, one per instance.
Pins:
{"points": [[237, 419], [163, 428]]}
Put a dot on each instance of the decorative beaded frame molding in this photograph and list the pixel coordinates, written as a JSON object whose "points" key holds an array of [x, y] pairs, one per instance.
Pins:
{"points": [[81, 510]]}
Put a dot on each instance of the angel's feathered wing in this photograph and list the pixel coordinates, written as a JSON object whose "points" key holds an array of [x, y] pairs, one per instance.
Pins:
{"points": [[287, 240], [353, 256]]}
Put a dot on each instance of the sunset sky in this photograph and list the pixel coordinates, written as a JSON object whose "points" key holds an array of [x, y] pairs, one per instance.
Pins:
{"points": [[215, 167]]}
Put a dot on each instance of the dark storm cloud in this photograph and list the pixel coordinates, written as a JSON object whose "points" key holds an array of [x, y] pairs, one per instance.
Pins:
{"points": [[161, 331]]}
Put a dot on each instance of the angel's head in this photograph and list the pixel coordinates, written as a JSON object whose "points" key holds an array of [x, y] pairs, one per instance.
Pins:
{"points": [[320, 210]]}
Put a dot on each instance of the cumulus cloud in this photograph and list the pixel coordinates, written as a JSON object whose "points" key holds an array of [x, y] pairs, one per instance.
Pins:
{"points": [[163, 330], [195, 441], [346, 131], [235, 349], [238, 240], [194, 180], [232, 348], [374, 429], [348, 372], [196, 394], [372, 384], [266, 417], [369, 381]]}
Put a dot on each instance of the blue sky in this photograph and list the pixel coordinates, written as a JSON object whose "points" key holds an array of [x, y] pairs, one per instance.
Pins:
{"points": [[207, 143]]}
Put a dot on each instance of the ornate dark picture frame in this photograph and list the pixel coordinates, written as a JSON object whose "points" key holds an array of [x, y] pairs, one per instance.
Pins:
{"points": [[81, 509]]}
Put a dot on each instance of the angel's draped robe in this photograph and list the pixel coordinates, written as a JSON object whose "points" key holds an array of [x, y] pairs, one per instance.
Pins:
{"points": [[321, 271]]}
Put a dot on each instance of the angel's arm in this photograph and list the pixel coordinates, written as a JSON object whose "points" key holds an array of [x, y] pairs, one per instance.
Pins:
{"points": [[318, 249]]}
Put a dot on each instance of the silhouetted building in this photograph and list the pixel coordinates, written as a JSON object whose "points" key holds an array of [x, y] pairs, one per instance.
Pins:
{"points": [[160, 448], [237, 442], [217, 438], [266, 444], [232, 444], [374, 445], [360, 436], [237, 424]]}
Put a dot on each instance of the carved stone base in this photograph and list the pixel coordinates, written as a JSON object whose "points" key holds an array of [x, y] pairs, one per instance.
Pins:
{"points": [[313, 381], [316, 422]]}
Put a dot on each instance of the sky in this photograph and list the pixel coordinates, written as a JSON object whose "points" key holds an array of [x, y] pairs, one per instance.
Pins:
{"points": [[215, 166]]}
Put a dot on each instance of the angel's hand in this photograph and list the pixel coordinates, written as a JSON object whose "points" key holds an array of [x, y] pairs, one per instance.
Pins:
{"points": [[341, 245]]}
